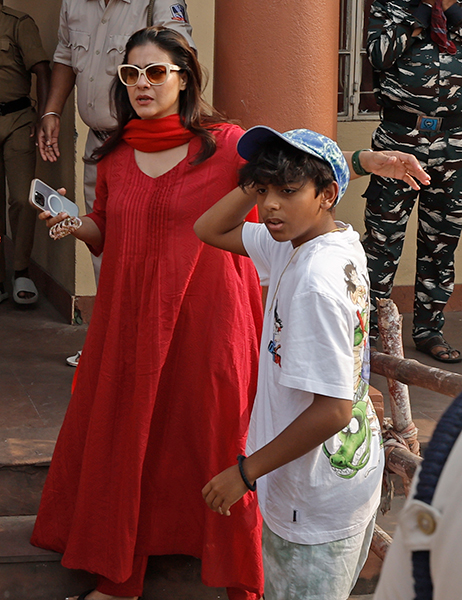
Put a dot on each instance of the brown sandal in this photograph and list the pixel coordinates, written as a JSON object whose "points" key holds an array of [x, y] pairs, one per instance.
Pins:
{"points": [[427, 344]]}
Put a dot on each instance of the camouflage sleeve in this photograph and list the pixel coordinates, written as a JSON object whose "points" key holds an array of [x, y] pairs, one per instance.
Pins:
{"points": [[454, 18], [390, 33]]}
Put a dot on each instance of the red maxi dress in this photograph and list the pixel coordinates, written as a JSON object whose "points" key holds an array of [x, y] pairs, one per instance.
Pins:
{"points": [[166, 383]]}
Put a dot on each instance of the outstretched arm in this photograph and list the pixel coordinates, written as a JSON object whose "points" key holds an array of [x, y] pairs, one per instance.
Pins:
{"points": [[391, 163], [324, 418], [221, 225]]}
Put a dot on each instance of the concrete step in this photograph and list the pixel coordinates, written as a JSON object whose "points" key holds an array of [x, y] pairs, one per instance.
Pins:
{"points": [[29, 573], [24, 462]]}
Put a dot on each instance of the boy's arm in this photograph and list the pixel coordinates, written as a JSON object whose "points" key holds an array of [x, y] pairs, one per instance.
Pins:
{"points": [[221, 225], [324, 418]]}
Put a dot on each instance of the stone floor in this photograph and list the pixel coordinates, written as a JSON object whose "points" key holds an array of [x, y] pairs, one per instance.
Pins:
{"points": [[34, 378]]}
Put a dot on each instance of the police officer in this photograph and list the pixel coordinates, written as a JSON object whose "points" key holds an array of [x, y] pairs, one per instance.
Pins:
{"points": [[415, 48], [21, 53]]}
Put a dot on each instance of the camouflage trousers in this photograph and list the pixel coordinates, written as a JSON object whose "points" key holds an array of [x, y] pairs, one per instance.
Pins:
{"points": [[389, 205]]}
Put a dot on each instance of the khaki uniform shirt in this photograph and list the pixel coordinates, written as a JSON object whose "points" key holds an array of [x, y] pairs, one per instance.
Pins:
{"points": [[20, 49], [92, 39]]}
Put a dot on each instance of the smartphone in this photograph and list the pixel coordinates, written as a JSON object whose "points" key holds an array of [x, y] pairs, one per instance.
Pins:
{"points": [[44, 197]]}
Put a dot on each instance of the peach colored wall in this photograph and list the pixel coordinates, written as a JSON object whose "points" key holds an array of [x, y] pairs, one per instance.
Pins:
{"points": [[276, 62]]}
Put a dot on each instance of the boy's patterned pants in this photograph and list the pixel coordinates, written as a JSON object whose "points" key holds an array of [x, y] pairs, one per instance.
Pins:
{"points": [[389, 205]]}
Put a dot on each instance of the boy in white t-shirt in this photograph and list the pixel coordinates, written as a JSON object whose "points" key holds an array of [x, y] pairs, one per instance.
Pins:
{"points": [[314, 439]]}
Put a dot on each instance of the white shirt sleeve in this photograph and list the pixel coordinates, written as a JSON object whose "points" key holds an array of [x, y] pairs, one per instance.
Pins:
{"points": [[63, 52], [258, 244], [173, 15]]}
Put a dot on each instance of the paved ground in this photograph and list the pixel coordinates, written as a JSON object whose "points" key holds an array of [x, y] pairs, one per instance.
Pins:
{"points": [[35, 380]]}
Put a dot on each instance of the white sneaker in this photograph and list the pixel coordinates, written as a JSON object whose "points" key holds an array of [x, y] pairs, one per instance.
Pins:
{"points": [[73, 361]]}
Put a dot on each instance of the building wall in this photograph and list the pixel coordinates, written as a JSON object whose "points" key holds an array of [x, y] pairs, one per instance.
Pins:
{"points": [[277, 66]]}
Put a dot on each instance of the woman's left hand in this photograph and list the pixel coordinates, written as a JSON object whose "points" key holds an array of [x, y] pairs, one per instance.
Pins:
{"points": [[396, 165]]}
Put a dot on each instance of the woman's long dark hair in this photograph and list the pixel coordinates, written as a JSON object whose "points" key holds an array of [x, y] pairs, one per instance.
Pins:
{"points": [[195, 113]]}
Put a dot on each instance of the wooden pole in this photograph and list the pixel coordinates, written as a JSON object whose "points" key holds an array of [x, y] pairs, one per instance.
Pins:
{"points": [[412, 372], [390, 327]]}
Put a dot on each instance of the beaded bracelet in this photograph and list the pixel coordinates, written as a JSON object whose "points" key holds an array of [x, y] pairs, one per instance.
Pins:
{"points": [[240, 459], [69, 225], [357, 168]]}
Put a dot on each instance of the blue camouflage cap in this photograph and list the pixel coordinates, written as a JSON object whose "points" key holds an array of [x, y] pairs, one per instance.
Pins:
{"points": [[308, 141]]}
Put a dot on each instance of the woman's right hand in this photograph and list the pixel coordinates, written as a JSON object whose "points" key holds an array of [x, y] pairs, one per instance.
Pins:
{"points": [[45, 215]]}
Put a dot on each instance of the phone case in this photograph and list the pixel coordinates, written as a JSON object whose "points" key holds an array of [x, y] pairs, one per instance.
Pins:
{"points": [[46, 198]]}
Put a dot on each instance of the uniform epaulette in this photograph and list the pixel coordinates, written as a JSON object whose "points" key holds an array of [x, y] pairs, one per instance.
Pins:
{"points": [[14, 13]]}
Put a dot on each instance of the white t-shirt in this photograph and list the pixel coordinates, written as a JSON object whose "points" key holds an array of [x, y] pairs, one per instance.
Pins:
{"points": [[315, 341]]}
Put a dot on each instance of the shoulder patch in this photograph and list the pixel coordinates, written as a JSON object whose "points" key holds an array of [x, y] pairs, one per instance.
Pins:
{"points": [[178, 13]]}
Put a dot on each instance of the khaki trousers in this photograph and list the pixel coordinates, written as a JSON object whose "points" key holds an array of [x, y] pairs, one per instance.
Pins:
{"points": [[17, 167]]}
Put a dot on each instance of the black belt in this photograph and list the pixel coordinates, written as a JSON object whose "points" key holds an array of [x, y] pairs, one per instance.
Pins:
{"points": [[421, 122], [13, 106]]}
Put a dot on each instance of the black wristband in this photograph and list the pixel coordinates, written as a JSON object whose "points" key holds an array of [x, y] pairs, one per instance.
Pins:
{"points": [[240, 459], [357, 168]]}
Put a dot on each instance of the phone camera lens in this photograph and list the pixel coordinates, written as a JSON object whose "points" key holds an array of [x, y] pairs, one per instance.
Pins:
{"points": [[40, 199]]}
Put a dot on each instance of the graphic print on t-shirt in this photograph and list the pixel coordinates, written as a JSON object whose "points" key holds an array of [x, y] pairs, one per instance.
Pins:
{"points": [[349, 451], [275, 342]]}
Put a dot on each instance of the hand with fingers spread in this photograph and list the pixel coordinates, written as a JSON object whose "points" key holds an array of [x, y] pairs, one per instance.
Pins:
{"points": [[396, 165]]}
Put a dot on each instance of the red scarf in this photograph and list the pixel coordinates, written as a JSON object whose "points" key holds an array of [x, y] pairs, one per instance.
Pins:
{"points": [[155, 135]]}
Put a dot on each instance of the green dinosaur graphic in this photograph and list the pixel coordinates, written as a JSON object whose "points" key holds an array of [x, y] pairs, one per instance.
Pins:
{"points": [[354, 451]]}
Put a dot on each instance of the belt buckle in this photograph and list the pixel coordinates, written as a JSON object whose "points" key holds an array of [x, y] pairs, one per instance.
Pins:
{"points": [[431, 124]]}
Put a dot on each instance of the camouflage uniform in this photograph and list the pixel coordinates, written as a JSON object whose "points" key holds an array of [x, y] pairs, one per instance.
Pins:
{"points": [[414, 79]]}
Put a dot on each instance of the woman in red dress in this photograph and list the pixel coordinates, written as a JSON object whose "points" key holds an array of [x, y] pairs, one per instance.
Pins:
{"points": [[167, 376]]}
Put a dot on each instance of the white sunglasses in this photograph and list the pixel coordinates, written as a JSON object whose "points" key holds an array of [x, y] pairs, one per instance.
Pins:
{"points": [[156, 74]]}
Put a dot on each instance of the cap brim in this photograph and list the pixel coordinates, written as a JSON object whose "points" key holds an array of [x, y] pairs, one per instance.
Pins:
{"points": [[252, 140]]}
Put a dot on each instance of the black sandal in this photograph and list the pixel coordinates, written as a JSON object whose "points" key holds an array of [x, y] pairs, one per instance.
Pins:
{"points": [[427, 344]]}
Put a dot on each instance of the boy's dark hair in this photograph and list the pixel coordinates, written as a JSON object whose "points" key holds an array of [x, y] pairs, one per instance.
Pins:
{"points": [[278, 163]]}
